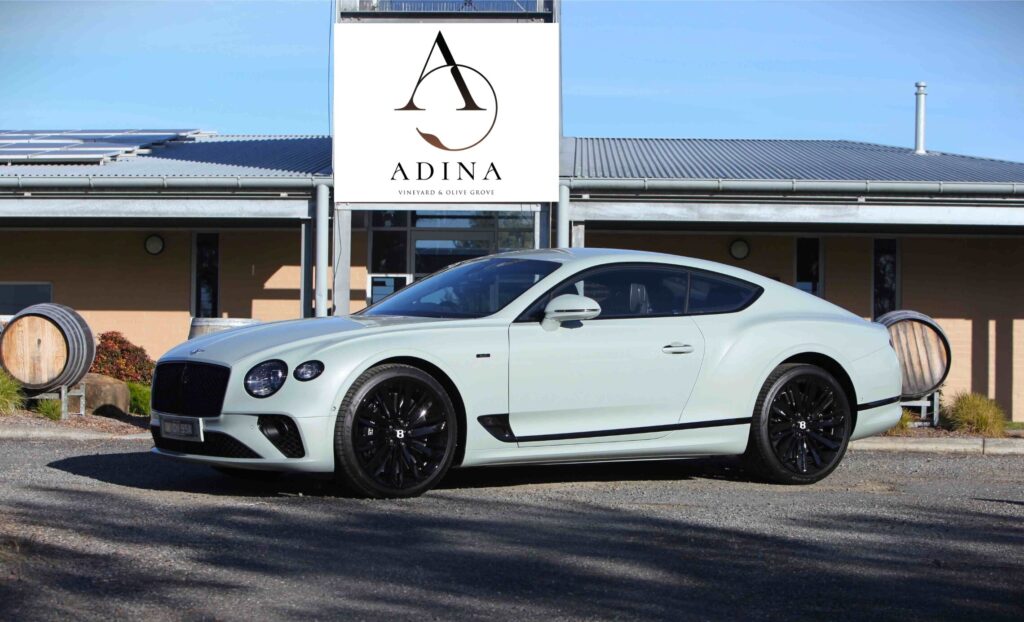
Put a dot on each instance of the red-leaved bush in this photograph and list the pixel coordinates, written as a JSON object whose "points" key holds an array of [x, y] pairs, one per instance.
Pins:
{"points": [[119, 358]]}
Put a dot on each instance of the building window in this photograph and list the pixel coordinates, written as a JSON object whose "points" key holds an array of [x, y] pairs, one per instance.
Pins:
{"points": [[808, 266], [886, 277], [413, 244], [207, 274], [16, 296]]}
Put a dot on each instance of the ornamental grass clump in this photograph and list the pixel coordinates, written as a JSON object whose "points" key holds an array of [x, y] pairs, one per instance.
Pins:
{"points": [[11, 398], [49, 409], [903, 425], [976, 414], [119, 358]]}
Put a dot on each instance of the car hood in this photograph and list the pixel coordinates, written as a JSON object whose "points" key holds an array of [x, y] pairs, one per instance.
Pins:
{"points": [[240, 343]]}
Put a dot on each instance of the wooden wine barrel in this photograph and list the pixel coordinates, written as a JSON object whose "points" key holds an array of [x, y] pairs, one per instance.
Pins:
{"points": [[47, 346], [206, 325], [922, 348]]}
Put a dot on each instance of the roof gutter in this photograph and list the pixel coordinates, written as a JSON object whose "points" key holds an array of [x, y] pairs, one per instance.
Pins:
{"points": [[164, 183], [793, 186]]}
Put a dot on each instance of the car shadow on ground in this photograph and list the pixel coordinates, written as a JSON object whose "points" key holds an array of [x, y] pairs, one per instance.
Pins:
{"points": [[143, 470]]}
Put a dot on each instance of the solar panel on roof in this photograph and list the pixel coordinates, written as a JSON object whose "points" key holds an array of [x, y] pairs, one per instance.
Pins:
{"points": [[80, 145]]}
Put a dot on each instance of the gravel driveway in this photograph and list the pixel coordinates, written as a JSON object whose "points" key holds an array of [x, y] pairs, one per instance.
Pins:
{"points": [[102, 529]]}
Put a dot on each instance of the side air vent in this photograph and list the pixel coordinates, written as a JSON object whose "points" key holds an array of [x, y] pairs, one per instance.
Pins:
{"points": [[283, 433]]}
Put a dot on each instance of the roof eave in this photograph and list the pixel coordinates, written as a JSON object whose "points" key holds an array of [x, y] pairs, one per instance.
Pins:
{"points": [[89, 182], [793, 186]]}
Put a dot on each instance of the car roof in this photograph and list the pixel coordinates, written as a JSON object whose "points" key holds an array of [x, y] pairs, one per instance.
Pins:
{"points": [[587, 257]]}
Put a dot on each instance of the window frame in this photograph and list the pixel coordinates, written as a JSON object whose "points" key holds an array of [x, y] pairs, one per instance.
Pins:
{"points": [[523, 318], [898, 289], [193, 295], [820, 284]]}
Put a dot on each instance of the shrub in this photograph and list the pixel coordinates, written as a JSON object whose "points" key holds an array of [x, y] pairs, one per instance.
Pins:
{"points": [[975, 413], [140, 398], [903, 424], [11, 398], [48, 408], [119, 358]]}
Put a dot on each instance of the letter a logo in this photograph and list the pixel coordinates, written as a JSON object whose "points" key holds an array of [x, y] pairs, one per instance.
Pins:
{"points": [[449, 108]]}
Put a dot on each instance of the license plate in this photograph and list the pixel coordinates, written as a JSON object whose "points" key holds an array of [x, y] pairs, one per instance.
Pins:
{"points": [[182, 429]]}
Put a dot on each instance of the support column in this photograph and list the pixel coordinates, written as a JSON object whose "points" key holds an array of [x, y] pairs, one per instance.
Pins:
{"points": [[306, 266], [563, 216], [342, 259], [542, 231], [323, 198], [579, 235]]}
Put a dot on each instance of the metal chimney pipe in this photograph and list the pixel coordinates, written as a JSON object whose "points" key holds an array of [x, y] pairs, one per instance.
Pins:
{"points": [[919, 129]]}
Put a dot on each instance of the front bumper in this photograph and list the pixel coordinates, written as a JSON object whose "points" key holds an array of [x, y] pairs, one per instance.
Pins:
{"points": [[235, 440]]}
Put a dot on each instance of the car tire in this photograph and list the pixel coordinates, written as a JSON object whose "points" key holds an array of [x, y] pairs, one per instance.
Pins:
{"points": [[251, 475], [800, 427], [396, 433]]}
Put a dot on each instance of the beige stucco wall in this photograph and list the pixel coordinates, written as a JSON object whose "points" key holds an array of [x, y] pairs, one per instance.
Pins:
{"points": [[971, 286], [110, 279]]}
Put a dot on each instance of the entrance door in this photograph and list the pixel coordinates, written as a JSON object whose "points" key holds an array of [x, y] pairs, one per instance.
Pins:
{"points": [[431, 251]]}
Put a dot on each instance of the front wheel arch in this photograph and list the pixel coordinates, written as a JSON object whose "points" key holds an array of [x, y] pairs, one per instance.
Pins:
{"points": [[449, 386]]}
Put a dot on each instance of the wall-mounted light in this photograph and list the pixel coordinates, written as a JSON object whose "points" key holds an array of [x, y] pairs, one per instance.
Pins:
{"points": [[739, 249], [154, 244]]}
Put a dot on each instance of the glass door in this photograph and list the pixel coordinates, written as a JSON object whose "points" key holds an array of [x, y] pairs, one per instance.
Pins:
{"points": [[431, 251]]}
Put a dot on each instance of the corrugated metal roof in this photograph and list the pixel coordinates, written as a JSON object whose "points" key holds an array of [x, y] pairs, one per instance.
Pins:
{"points": [[825, 160], [206, 156], [583, 158]]}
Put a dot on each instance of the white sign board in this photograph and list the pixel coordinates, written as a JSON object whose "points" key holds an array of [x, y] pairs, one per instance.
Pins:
{"points": [[446, 113]]}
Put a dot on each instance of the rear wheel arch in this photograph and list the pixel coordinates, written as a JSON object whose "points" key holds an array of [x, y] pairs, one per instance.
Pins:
{"points": [[837, 371]]}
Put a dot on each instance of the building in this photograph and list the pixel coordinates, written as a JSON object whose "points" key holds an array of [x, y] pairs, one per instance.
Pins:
{"points": [[868, 227], [141, 231]]}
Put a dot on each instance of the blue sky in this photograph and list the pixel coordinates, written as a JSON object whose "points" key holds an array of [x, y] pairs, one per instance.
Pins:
{"points": [[678, 69]]}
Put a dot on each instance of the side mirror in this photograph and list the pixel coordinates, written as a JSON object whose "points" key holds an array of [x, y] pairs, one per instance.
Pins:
{"points": [[569, 308]]}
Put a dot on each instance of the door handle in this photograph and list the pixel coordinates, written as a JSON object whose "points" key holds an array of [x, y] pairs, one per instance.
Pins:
{"points": [[677, 348]]}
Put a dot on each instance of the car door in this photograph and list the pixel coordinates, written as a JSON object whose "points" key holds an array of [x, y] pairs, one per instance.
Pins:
{"points": [[629, 371]]}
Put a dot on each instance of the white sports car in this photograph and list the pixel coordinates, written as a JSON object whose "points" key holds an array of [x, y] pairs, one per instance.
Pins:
{"points": [[539, 356]]}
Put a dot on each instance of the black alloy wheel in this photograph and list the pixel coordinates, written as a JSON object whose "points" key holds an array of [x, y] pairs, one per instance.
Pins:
{"points": [[396, 433], [801, 426]]}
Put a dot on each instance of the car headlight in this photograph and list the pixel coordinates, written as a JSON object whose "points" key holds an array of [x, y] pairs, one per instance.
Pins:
{"points": [[266, 379], [308, 371]]}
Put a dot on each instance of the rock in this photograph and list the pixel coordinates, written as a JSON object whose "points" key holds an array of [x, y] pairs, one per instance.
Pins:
{"points": [[106, 396]]}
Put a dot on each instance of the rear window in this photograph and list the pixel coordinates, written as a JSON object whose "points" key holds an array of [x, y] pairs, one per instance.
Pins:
{"points": [[719, 294]]}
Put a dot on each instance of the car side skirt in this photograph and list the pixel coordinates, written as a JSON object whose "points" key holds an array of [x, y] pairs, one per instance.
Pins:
{"points": [[499, 427]]}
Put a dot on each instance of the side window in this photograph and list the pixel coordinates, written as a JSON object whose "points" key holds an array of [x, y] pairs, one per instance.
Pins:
{"points": [[624, 292], [715, 293]]}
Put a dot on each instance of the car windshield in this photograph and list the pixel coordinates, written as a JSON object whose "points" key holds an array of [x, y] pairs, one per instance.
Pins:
{"points": [[468, 290]]}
